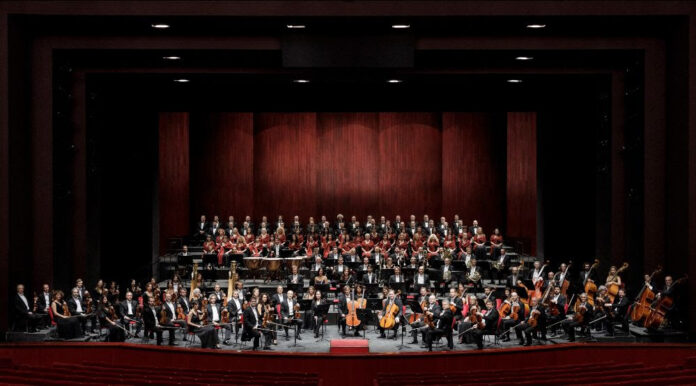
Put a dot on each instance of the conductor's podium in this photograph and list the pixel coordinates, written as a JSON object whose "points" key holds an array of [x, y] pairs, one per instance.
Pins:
{"points": [[349, 346]]}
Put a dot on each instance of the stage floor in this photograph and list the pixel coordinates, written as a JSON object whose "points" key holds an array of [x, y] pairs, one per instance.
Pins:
{"points": [[310, 344]]}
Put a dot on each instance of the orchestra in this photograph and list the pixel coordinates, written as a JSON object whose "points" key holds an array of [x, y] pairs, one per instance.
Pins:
{"points": [[438, 279]]}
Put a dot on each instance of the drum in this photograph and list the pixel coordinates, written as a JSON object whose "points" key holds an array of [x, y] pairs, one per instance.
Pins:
{"points": [[252, 263], [272, 264], [293, 262]]}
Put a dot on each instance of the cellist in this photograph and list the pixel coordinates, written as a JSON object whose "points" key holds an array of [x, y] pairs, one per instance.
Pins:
{"points": [[343, 300], [515, 317], [391, 299]]}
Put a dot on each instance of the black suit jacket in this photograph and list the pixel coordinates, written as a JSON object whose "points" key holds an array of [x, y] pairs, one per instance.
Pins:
{"points": [[72, 306], [491, 318], [367, 280], [426, 280], [620, 306], [20, 307], [123, 307], [277, 300], [197, 227], [285, 310], [218, 308], [41, 302], [184, 304], [444, 321], [249, 322], [398, 303], [392, 279], [148, 318], [300, 279], [233, 309]]}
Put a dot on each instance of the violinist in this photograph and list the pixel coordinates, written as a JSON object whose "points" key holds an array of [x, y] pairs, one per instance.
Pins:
{"points": [[429, 313], [108, 318], [252, 323], [68, 327], [205, 333], [316, 317], [490, 322], [77, 308], [183, 300], [127, 309], [617, 312], [581, 316], [456, 301], [235, 308], [25, 314], [266, 310], [442, 327], [151, 317], [515, 316], [556, 309], [601, 300], [219, 293], [534, 323], [391, 299], [514, 277], [288, 312], [170, 307]]}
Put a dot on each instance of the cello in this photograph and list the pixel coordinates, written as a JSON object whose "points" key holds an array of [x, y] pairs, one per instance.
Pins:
{"points": [[589, 285], [387, 320], [352, 316], [658, 314], [641, 307]]}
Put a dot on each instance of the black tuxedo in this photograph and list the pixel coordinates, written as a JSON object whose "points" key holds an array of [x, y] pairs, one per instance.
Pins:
{"points": [[426, 281], [183, 301], [42, 304], [512, 280], [23, 313], [619, 310], [277, 298], [300, 279], [491, 318], [123, 308], [72, 306], [393, 279], [368, 280], [152, 324], [218, 309], [399, 305], [443, 327], [233, 309]]}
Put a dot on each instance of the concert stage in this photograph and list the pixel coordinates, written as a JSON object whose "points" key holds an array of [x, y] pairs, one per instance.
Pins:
{"points": [[551, 364]]}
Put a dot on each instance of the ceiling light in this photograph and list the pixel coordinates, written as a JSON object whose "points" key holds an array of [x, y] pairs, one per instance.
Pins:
{"points": [[524, 58], [401, 26], [514, 80], [394, 81], [301, 81], [536, 26], [182, 80], [295, 26], [171, 57], [160, 26]]}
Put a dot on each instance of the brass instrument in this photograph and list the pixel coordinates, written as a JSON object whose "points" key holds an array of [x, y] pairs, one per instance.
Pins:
{"points": [[446, 254], [194, 280], [475, 277], [447, 275]]}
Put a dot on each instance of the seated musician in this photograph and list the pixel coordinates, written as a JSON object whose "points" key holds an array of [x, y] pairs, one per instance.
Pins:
{"points": [[514, 277], [488, 294], [389, 264], [76, 308], [321, 277], [413, 264], [235, 308], [108, 318], [581, 316], [335, 254], [219, 293], [442, 327], [287, 313], [339, 268], [205, 333], [25, 313], [152, 317], [128, 311], [617, 312], [267, 313], [473, 274], [174, 319], [44, 300], [431, 311], [600, 301], [515, 316], [295, 277], [446, 271], [252, 323], [183, 300], [369, 277], [420, 279], [343, 299], [378, 256], [534, 323], [317, 264], [68, 326], [397, 277], [466, 255], [490, 322], [366, 263], [309, 295], [347, 277], [457, 301], [556, 309], [386, 304]]}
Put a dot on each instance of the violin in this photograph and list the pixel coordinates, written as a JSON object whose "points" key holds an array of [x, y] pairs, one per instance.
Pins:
{"points": [[515, 312], [352, 316], [475, 318], [163, 316], [296, 308], [579, 315], [66, 311], [504, 309], [180, 312], [533, 320]]}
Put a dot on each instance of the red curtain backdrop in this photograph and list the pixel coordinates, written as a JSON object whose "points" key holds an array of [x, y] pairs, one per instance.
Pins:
{"points": [[473, 168], [355, 163], [522, 177], [410, 180], [348, 164], [285, 159], [222, 165], [173, 177]]}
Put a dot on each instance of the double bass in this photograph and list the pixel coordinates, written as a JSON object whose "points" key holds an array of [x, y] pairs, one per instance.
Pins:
{"points": [[658, 314], [352, 316], [612, 287], [536, 294], [589, 285], [641, 307]]}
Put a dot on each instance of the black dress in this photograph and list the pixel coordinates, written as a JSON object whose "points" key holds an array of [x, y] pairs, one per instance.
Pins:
{"points": [[68, 328], [116, 334], [207, 334]]}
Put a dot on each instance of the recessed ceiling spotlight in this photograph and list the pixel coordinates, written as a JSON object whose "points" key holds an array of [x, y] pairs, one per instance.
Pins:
{"points": [[401, 26], [296, 26], [524, 58], [171, 57], [394, 81], [181, 80], [536, 26], [160, 26], [514, 80], [301, 81]]}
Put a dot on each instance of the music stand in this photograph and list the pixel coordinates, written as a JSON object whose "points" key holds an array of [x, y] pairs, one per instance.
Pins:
{"points": [[370, 288], [320, 313], [386, 273], [365, 316], [324, 288], [436, 262]]}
